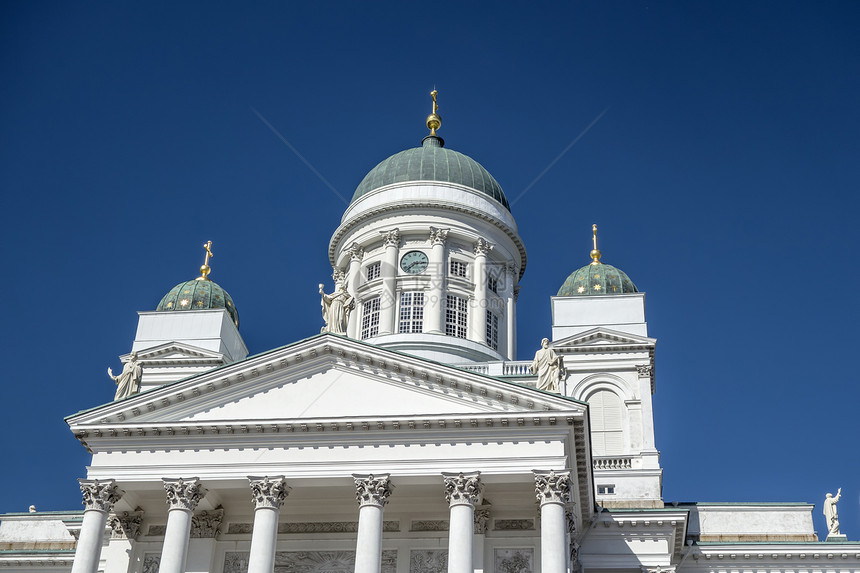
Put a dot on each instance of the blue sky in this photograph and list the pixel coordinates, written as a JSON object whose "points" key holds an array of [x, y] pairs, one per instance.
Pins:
{"points": [[723, 176]]}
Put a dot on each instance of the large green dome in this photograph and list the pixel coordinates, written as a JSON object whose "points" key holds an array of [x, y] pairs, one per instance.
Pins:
{"points": [[432, 162], [597, 278], [198, 294]]}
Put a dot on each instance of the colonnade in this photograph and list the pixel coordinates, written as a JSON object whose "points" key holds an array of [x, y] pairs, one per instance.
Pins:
{"points": [[463, 491]]}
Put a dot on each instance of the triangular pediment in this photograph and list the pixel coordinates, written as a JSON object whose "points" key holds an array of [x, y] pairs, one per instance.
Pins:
{"points": [[326, 377], [173, 351], [603, 339]]}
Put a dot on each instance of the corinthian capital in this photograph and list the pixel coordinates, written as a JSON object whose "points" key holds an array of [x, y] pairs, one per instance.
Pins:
{"points": [[268, 491], [391, 238], [463, 489], [356, 252], [482, 247], [552, 486], [126, 525], [438, 236], [183, 494], [100, 495], [372, 489]]}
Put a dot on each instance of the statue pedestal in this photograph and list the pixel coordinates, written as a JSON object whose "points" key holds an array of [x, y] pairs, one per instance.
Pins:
{"points": [[836, 538]]}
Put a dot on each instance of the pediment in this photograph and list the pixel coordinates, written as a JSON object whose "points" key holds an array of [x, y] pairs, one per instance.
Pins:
{"points": [[603, 339], [173, 351], [326, 377]]}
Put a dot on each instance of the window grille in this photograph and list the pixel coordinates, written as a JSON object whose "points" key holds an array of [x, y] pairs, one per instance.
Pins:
{"points": [[373, 271], [457, 269], [492, 330], [456, 313], [493, 284], [606, 489], [370, 319], [411, 312]]}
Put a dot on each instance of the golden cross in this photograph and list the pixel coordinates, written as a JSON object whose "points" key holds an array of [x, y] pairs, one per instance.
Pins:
{"points": [[208, 247], [594, 229], [435, 106]]}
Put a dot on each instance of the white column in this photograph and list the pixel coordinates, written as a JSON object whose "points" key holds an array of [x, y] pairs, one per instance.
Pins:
{"points": [[388, 270], [372, 494], [353, 279], [478, 309], [182, 498], [99, 498], [434, 306], [463, 492], [552, 490], [511, 276], [268, 494]]}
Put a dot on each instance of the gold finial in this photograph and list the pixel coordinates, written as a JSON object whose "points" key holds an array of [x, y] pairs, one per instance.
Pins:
{"points": [[595, 254], [433, 120], [205, 270]]}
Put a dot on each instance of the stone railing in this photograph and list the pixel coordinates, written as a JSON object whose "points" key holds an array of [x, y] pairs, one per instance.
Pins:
{"points": [[612, 462], [506, 368]]}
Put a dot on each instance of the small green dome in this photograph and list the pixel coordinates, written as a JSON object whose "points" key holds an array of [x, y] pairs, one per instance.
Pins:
{"points": [[597, 278], [432, 162], [198, 294]]}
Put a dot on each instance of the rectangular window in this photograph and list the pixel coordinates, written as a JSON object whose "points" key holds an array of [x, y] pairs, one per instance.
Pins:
{"points": [[457, 269], [492, 330], [373, 271], [370, 319], [456, 313], [411, 312], [606, 489], [493, 284]]}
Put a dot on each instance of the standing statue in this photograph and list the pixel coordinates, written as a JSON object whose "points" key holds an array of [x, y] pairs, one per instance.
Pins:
{"points": [[128, 382], [335, 308], [548, 367], [830, 512]]}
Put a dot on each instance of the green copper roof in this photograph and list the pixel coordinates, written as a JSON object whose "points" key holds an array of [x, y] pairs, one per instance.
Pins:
{"points": [[199, 295], [432, 162], [597, 278]]}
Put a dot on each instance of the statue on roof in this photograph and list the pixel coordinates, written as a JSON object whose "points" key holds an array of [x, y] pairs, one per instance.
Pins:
{"points": [[128, 382], [336, 308], [831, 514], [548, 366]]}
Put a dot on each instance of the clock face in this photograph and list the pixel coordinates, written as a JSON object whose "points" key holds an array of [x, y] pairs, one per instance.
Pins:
{"points": [[414, 262]]}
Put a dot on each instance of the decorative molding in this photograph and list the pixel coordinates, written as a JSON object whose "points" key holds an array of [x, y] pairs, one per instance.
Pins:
{"points": [[430, 525], [206, 524], [356, 252], [309, 561], [438, 236], [99, 495], [391, 238], [514, 560], [267, 492], [482, 520], [151, 562], [552, 486], [428, 561], [644, 370], [513, 524], [126, 525], [156, 530], [372, 490], [463, 489], [482, 247], [516, 293], [183, 494], [337, 275], [313, 527]]}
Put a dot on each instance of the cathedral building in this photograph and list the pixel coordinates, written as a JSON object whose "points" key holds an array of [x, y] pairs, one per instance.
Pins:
{"points": [[405, 437]]}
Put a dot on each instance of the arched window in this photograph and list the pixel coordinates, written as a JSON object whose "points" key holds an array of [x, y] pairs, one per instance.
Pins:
{"points": [[607, 434]]}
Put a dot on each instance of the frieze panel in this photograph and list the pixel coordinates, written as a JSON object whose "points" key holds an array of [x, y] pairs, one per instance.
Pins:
{"points": [[513, 524], [312, 527], [156, 530], [514, 560], [428, 561], [151, 562], [430, 525], [126, 525], [206, 523], [309, 562]]}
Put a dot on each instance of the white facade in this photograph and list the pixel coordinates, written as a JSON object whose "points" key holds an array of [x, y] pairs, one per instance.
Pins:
{"points": [[416, 444]]}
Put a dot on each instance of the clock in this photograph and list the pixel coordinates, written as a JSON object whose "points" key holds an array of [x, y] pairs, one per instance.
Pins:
{"points": [[414, 262]]}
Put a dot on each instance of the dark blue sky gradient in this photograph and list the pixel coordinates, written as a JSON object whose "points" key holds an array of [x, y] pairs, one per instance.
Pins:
{"points": [[723, 177]]}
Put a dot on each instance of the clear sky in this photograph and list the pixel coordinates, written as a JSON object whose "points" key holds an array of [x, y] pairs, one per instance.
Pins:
{"points": [[722, 171]]}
